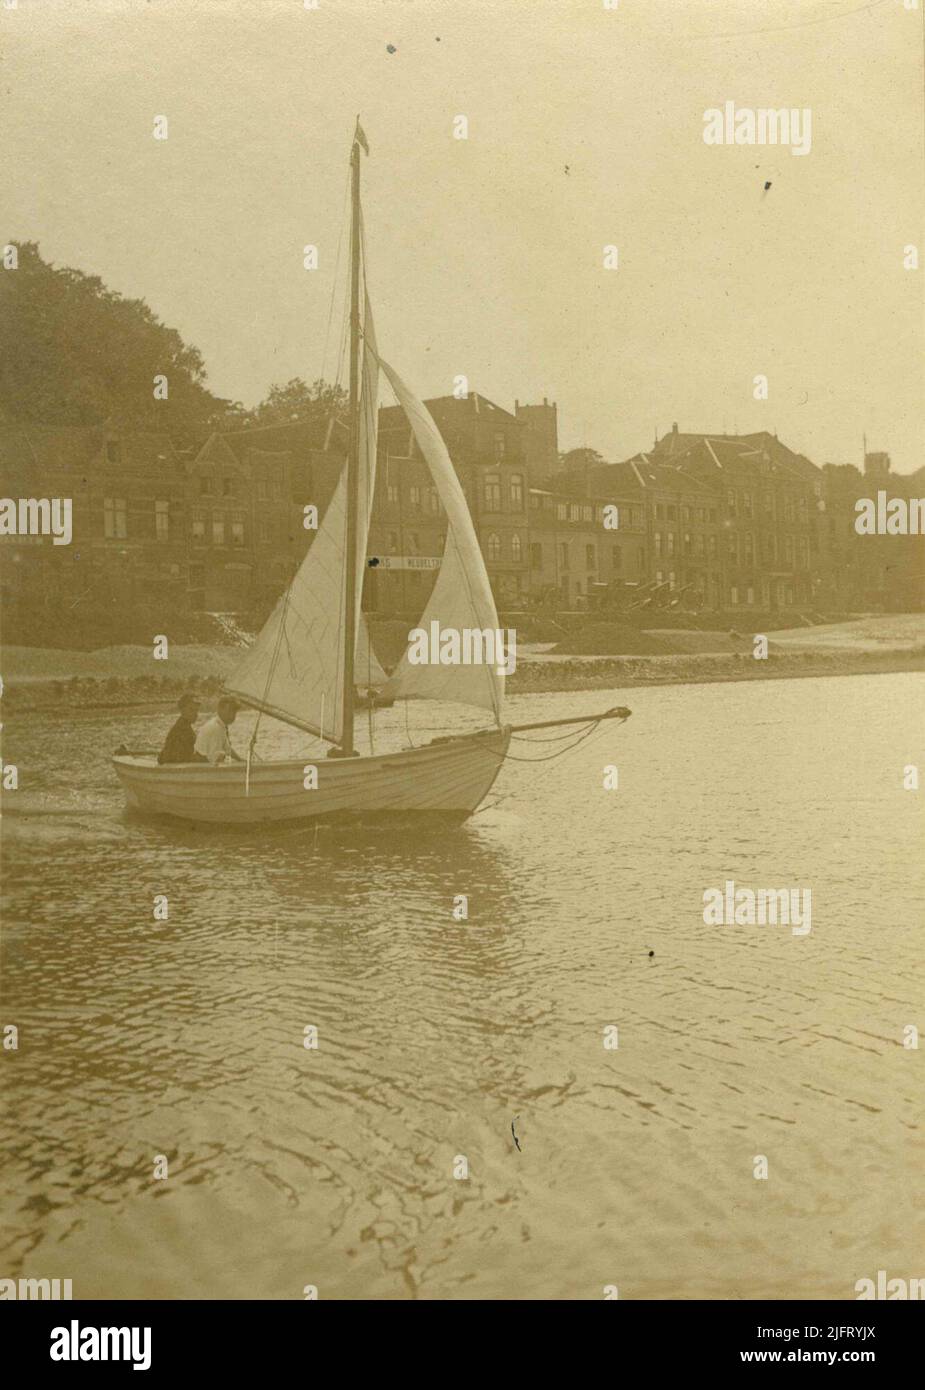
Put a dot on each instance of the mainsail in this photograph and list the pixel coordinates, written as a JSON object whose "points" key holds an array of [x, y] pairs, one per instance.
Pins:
{"points": [[295, 668], [461, 597]]}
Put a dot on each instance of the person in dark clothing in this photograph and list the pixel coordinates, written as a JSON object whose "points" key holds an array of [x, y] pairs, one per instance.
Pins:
{"points": [[179, 743]]}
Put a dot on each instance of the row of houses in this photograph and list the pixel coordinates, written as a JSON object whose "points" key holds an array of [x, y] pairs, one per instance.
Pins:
{"points": [[715, 522]]}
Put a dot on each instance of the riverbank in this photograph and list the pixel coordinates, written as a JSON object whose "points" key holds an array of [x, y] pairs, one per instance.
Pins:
{"points": [[42, 678]]}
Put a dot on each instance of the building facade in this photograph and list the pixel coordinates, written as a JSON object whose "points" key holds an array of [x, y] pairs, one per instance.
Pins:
{"points": [[218, 523]]}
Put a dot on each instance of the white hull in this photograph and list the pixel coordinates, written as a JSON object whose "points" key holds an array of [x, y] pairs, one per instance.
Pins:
{"points": [[446, 778]]}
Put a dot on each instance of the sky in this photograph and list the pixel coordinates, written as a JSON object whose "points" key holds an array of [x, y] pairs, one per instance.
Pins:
{"points": [[486, 255]]}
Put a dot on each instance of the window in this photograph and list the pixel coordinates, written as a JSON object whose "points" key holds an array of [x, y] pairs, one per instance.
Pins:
{"points": [[587, 513], [731, 502], [749, 540], [517, 492], [494, 546], [392, 493], [261, 489], [574, 511], [789, 511], [499, 446], [659, 512], [433, 500], [732, 547], [113, 451], [228, 487], [237, 531], [393, 542], [516, 548], [205, 487], [278, 481], [801, 506], [750, 596], [788, 550], [698, 546], [263, 529], [672, 513], [536, 556], [713, 515], [491, 492], [670, 542], [713, 547], [218, 529], [747, 504], [686, 543], [162, 520], [590, 557], [685, 514], [734, 596], [198, 528], [804, 553], [415, 495], [563, 555], [115, 525], [658, 542], [414, 543], [535, 500], [616, 557]]}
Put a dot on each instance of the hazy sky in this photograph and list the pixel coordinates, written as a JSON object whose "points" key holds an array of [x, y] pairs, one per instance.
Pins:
{"points": [[486, 254]]}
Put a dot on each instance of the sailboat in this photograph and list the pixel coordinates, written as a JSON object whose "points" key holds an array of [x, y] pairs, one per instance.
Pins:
{"points": [[314, 650]]}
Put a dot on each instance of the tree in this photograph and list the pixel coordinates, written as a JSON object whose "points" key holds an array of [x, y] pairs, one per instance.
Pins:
{"points": [[296, 401], [581, 458], [73, 352]]}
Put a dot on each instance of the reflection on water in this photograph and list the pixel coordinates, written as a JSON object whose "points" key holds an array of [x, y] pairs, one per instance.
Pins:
{"points": [[334, 1167]]}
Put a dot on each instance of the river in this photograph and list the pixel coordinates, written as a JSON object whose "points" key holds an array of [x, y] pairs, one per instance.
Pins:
{"points": [[335, 1166]]}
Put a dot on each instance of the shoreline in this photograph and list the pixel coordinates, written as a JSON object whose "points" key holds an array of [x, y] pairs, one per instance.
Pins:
{"points": [[533, 676]]}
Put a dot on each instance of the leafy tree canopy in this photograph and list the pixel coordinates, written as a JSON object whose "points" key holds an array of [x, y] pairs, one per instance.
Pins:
{"points": [[296, 401], [581, 458], [73, 352]]}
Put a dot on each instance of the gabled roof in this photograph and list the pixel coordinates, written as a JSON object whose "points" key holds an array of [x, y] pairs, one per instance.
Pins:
{"points": [[297, 438], [738, 454], [642, 473]]}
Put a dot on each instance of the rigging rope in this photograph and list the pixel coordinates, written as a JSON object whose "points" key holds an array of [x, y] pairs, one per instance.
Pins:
{"points": [[586, 733]]}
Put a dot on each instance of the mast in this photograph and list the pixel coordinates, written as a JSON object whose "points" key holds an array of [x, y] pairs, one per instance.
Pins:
{"points": [[351, 597]]}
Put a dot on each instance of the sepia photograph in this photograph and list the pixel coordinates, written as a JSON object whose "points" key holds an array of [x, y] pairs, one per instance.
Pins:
{"points": [[462, 635]]}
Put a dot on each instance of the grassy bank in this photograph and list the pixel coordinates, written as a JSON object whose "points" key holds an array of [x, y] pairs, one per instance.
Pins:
{"points": [[41, 678]]}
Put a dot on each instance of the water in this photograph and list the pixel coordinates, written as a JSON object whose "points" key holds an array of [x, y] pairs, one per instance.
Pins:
{"points": [[334, 1167]]}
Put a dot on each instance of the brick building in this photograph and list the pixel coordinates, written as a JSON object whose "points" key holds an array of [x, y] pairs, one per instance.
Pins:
{"points": [[871, 571], [129, 517], [215, 522]]}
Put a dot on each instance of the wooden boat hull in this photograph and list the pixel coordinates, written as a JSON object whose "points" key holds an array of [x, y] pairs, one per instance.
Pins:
{"points": [[448, 778]]}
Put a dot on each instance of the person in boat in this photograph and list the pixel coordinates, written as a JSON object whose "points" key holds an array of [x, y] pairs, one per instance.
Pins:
{"points": [[180, 743], [212, 742]]}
